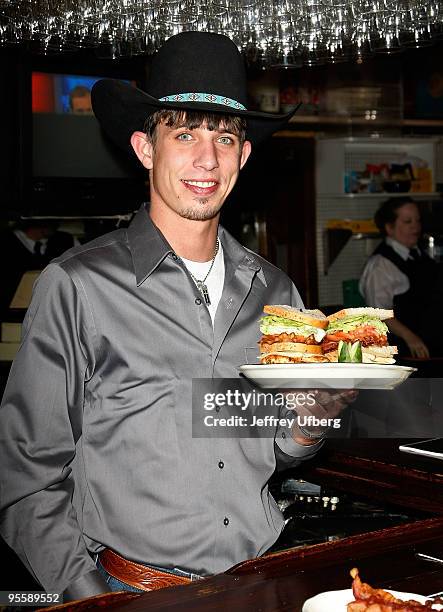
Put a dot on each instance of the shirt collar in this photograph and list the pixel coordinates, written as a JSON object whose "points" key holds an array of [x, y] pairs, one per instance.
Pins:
{"points": [[149, 247], [238, 254], [28, 242], [400, 249]]}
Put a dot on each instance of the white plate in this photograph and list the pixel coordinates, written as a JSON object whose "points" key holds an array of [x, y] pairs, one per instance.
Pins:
{"points": [[327, 375], [336, 601]]}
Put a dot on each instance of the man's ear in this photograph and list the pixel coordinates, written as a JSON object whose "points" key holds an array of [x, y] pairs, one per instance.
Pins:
{"points": [[389, 229], [142, 148], [245, 153]]}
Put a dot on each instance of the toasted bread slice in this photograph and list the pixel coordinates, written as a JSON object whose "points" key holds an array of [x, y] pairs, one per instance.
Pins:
{"points": [[288, 357], [379, 354], [311, 317], [296, 358], [380, 351], [297, 347], [367, 358], [371, 354], [376, 313]]}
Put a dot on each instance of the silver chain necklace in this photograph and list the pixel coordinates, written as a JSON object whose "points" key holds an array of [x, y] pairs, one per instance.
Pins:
{"points": [[201, 284]]}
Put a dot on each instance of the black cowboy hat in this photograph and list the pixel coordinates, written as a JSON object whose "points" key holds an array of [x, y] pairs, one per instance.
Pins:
{"points": [[192, 71]]}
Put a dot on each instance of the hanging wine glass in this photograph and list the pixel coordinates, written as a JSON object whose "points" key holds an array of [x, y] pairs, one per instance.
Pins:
{"points": [[281, 29]]}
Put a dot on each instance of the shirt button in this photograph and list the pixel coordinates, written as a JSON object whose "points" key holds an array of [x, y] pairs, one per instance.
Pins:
{"points": [[221, 465], [174, 256], [198, 301], [283, 435], [217, 409], [226, 521]]}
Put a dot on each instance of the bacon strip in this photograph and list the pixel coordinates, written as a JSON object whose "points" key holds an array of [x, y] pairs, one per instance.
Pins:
{"points": [[367, 335], [268, 340], [368, 599]]}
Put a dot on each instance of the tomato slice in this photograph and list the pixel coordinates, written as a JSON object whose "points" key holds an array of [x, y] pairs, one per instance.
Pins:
{"points": [[337, 336]]}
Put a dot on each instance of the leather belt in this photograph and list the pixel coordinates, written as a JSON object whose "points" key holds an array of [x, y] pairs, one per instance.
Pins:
{"points": [[138, 575]]}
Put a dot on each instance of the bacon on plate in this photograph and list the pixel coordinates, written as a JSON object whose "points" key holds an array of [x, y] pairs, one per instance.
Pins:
{"points": [[368, 599]]}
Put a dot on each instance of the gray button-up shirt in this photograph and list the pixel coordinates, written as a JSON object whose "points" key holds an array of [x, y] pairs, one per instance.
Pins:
{"points": [[95, 426]]}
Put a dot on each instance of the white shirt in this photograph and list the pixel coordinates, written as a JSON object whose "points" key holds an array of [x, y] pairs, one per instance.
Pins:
{"points": [[29, 243], [215, 280], [382, 280]]}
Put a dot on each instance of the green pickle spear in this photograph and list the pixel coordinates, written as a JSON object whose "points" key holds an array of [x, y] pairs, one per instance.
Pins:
{"points": [[355, 352], [343, 352], [349, 352]]}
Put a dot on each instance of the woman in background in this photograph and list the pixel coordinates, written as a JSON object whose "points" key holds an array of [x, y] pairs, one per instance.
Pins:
{"points": [[401, 276]]}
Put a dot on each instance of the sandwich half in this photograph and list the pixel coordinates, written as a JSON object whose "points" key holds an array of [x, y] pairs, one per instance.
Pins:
{"points": [[292, 335], [363, 324]]}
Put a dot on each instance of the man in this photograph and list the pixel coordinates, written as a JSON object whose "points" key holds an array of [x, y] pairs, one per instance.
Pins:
{"points": [[80, 100], [29, 245], [98, 458]]}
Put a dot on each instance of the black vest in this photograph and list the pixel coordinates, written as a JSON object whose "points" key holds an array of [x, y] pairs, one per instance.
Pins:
{"points": [[16, 260], [420, 307]]}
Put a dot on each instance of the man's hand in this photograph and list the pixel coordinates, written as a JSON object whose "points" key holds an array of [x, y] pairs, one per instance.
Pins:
{"points": [[329, 404]]}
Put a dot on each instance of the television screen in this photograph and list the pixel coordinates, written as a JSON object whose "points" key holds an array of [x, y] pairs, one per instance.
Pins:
{"points": [[72, 161]]}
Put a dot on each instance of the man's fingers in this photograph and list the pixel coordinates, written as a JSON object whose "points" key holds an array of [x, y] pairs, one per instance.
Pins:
{"points": [[317, 410], [330, 405], [325, 397], [350, 395]]}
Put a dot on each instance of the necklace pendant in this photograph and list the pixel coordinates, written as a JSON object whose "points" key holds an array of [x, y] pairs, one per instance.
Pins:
{"points": [[204, 291]]}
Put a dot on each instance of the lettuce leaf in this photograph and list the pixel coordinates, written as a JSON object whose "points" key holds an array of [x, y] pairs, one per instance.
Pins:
{"points": [[273, 324], [349, 323]]}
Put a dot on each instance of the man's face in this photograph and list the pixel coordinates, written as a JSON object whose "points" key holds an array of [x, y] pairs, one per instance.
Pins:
{"points": [[193, 171], [81, 105]]}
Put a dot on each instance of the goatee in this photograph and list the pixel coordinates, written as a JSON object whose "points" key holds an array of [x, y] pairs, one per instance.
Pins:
{"points": [[201, 214]]}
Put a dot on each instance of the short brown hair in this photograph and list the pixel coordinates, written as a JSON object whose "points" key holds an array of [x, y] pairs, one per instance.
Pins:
{"points": [[387, 212], [193, 119]]}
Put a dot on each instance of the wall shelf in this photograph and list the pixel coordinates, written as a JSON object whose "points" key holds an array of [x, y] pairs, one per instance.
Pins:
{"points": [[341, 255], [336, 239], [346, 120], [384, 194]]}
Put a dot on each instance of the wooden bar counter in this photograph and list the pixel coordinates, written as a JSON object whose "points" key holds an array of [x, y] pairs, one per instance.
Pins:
{"points": [[385, 558], [377, 469]]}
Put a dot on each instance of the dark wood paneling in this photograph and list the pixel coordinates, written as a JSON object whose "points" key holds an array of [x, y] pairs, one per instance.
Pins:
{"points": [[278, 184]]}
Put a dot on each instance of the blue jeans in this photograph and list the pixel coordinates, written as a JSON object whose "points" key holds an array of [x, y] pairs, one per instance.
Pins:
{"points": [[117, 585]]}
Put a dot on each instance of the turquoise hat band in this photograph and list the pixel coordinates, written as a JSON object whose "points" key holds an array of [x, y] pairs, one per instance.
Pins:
{"points": [[204, 97]]}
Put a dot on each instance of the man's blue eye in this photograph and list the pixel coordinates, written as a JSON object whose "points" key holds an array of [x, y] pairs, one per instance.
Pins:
{"points": [[184, 136], [225, 140]]}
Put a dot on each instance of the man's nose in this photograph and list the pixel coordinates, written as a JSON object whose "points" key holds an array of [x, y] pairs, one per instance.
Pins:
{"points": [[206, 156]]}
